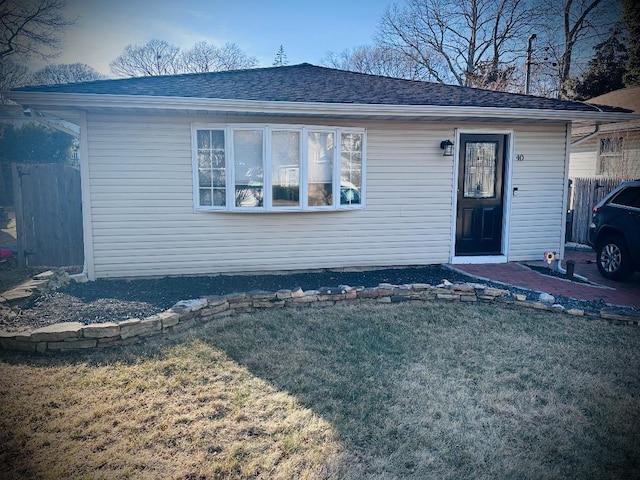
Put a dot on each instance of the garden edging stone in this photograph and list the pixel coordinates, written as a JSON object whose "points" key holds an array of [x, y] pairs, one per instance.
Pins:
{"points": [[187, 314]]}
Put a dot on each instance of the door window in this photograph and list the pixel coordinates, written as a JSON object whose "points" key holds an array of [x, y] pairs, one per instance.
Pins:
{"points": [[480, 162]]}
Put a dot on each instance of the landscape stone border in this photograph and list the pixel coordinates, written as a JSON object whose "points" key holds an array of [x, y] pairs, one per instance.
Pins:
{"points": [[186, 314], [38, 285]]}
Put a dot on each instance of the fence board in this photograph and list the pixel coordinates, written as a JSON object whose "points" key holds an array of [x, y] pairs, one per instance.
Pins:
{"points": [[48, 214], [586, 193]]}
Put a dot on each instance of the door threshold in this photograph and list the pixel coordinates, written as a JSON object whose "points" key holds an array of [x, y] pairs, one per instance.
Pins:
{"points": [[460, 260]]}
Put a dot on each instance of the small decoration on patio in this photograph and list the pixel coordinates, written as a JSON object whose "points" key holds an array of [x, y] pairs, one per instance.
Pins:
{"points": [[549, 257]]}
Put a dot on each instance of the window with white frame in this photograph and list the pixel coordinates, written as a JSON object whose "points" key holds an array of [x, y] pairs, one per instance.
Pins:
{"points": [[610, 155], [278, 168]]}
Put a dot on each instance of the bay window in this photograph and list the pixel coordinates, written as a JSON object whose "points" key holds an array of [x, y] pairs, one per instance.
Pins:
{"points": [[279, 168]]}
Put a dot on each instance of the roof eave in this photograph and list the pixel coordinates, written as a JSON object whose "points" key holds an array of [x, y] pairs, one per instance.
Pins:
{"points": [[43, 100]]}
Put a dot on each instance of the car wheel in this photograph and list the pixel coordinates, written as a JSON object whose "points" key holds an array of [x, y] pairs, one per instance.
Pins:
{"points": [[613, 258]]}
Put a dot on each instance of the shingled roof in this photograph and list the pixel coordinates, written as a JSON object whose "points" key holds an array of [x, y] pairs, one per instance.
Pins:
{"points": [[309, 83]]}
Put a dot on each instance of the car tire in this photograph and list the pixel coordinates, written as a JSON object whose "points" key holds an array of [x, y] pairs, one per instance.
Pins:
{"points": [[613, 258]]}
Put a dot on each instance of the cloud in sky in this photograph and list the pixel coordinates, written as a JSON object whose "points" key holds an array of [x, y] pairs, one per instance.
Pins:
{"points": [[306, 30]]}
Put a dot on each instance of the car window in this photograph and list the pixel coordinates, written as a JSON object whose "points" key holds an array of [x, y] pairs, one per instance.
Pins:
{"points": [[629, 197]]}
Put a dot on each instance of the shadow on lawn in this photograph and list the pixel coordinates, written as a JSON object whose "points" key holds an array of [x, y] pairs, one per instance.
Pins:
{"points": [[441, 391], [457, 390]]}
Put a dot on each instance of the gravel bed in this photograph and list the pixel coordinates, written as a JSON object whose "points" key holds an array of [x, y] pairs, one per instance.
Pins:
{"points": [[118, 300]]}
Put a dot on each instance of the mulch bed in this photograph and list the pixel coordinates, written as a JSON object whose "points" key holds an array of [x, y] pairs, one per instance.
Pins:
{"points": [[118, 300]]}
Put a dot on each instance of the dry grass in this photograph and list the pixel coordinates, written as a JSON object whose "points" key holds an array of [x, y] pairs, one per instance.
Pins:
{"points": [[185, 412], [437, 391]]}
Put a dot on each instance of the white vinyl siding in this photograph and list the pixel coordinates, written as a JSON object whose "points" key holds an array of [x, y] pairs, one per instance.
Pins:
{"points": [[537, 216], [144, 224], [584, 159]]}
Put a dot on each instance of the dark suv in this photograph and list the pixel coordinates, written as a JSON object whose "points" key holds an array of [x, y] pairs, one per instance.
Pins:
{"points": [[615, 232]]}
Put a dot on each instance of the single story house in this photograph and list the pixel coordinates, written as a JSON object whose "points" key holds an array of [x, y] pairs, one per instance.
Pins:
{"points": [[610, 150], [306, 167]]}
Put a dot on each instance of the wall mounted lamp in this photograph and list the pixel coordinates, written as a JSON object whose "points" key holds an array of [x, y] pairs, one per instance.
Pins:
{"points": [[447, 148]]}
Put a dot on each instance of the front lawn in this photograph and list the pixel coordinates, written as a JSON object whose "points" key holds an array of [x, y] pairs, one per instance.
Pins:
{"points": [[380, 391]]}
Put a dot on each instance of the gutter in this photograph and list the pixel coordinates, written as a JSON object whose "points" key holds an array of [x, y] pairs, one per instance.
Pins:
{"points": [[588, 136], [74, 101]]}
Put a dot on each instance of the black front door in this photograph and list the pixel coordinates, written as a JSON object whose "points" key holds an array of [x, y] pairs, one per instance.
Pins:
{"points": [[480, 185]]}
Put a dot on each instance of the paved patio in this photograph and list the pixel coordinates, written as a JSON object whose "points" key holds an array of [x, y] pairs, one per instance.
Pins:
{"points": [[617, 293]]}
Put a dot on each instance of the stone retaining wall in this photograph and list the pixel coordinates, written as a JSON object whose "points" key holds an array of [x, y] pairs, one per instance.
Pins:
{"points": [[189, 313]]}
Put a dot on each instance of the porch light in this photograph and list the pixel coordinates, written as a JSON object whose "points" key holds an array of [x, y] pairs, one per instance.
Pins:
{"points": [[447, 148]]}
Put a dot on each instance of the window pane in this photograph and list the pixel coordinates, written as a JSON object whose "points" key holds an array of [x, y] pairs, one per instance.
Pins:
{"points": [[320, 168], [285, 169], [205, 197], [204, 178], [247, 150], [610, 145], [217, 160], [217, 139], [211, 168], [204, 158], [629, 197], [204, 138], [610, 158], [220, 197], [480, 162], [218, 177], [351, 169]]}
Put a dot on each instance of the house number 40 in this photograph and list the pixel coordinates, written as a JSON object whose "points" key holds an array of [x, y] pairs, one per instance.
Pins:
{"points": [[520, 157]]}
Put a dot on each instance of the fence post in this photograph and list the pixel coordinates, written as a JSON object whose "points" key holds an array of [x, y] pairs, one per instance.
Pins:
{"points": [[19, 212]]}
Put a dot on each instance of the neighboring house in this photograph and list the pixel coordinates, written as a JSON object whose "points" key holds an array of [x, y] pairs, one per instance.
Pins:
{"points": [[304, 167], [614, 149]]}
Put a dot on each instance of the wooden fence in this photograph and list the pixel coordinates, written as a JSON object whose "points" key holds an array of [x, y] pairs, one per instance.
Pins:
{"points": [[48, 214], [586, 193]]}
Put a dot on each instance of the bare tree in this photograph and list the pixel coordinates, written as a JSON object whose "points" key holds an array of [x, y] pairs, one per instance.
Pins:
{"points": [[569, 25], [455, 41], [202, 57], [156, 57], [376, 60], [233, 58], [500, 78], [65, 73], [32, 27], [576, 25], [12, 75], [206, 57]]}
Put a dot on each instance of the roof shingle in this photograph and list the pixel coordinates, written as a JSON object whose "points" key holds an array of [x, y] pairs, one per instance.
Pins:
{"points": [[310, 83]]}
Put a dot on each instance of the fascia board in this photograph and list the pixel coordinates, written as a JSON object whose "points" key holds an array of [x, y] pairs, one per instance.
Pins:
{"points": [[88, 101]]}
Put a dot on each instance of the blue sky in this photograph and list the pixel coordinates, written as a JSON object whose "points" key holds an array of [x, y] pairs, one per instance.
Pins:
{"points": [[307, 30]]}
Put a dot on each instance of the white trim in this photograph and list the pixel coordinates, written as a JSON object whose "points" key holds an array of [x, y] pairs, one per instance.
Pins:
{"points": [[461, 260], [85, 188], [507, 191], [304, 175], [565, 193], [506, 195], [84, 100], [454, 195]]}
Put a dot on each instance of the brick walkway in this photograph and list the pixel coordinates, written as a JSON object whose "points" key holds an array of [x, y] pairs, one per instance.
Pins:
{"points": [[616, 293]]}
